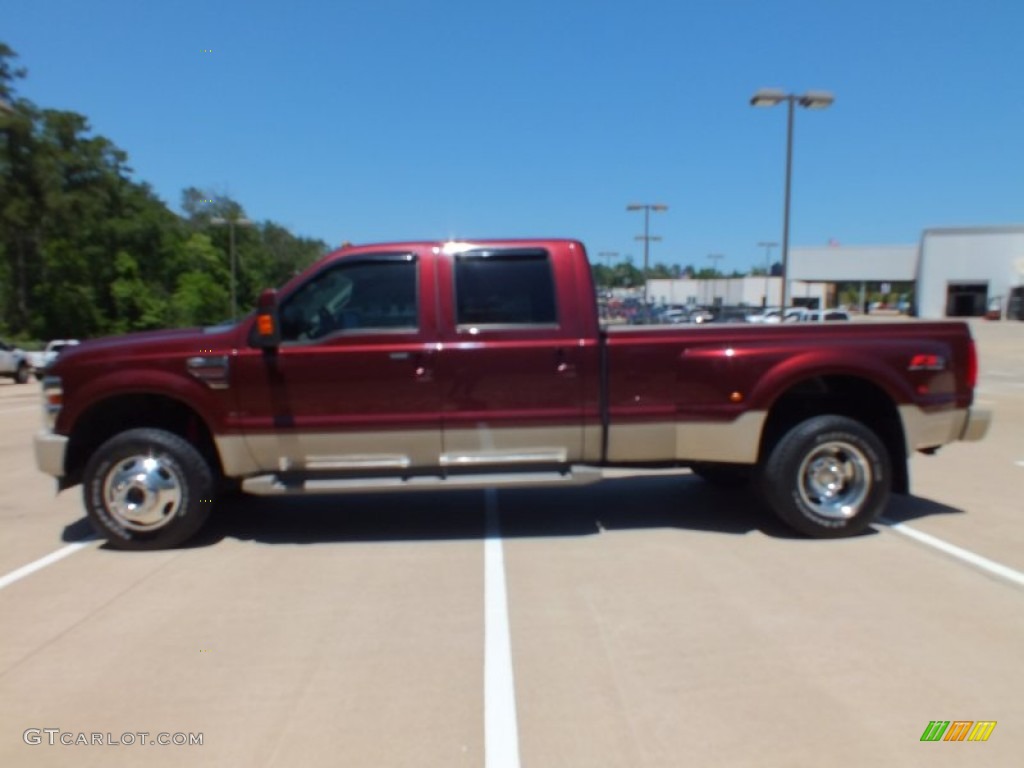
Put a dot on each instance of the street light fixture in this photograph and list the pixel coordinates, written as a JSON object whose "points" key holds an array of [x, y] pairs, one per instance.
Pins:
{"points": [[770, 97], [231, 224], [646, 237]]}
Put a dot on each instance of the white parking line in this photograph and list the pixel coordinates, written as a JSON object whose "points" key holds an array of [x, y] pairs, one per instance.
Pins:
{"points": [[991, 566], [1019, 463], [42, 562], [501, 732]]}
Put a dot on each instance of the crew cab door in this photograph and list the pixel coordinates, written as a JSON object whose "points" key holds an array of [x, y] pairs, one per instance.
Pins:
{"points": [[353, 385], [510, 368]]}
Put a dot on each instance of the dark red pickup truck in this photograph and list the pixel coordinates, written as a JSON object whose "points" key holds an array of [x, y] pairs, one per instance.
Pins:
{"points": [[483, 364]]}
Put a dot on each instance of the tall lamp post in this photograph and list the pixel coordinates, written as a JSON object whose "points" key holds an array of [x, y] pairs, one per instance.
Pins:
{"points": [[231, 224], [646, 237], [767, 245], [770, 97]]}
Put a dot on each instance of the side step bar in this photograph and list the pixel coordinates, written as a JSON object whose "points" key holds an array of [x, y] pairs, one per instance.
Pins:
{"points": [[274, 485]]}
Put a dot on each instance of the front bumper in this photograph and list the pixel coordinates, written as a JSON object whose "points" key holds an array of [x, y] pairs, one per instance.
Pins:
{"points": [[976, 424], [50, 449]]}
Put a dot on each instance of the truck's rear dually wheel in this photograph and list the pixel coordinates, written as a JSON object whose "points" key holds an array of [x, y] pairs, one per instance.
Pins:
{"points": [[147, 489], [828, 476]]}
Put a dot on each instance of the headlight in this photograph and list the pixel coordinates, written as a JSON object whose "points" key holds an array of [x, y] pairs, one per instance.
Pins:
{"points": [[53, 400]]}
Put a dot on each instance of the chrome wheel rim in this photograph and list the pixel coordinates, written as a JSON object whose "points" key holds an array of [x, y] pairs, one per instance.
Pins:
{"points": [[143, 493], [835, 480]]}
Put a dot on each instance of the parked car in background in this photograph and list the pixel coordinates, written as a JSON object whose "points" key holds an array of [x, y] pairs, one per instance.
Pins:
{"points": [[763, 314], [675, 316], [14, 363], [815, 315], [730, 314], [39, 360], [793, 315]]}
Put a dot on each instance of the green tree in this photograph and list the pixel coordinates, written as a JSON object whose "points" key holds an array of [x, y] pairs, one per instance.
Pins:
{"points": [[200, 300], [138, 304], [86, 250]]}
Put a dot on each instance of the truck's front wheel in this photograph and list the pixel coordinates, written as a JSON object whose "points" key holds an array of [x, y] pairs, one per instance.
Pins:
{"points": [[828, 476], [147, 489]]}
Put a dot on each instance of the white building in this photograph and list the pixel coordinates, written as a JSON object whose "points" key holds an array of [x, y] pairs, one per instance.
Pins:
{"points": [[957, 272], [961, 271], [734, 291], [854, 264]]}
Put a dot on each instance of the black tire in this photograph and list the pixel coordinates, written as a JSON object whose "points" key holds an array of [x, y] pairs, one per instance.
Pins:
{"points": [[828, 477], [723, 475], [23, 374], [147, 489]]}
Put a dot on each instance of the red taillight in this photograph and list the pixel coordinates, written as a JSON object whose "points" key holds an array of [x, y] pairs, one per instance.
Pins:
{"points": [[972, 364], [927, 363]]}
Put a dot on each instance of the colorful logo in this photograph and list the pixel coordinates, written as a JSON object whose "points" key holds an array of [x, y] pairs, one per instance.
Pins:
{"points": [[958, 730]]}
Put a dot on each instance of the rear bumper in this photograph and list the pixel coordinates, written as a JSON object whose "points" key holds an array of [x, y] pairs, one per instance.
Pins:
{"points": [[976, 424], [50, 449]]}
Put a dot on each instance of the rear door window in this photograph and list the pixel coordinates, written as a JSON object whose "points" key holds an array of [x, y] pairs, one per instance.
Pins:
{"points": [[505, 288]]}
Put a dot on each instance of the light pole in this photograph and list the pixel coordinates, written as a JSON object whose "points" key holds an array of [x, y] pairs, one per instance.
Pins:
{"points": [[770, 97], [767, 245], [232, 223], [646, 237], [715, 258]]}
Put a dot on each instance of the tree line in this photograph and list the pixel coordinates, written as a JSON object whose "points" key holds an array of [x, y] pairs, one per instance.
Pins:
{"points": [[86, 251]]}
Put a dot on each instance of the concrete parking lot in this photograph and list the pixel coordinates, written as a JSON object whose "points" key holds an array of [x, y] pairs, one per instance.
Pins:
{"points": [[648, 621]]}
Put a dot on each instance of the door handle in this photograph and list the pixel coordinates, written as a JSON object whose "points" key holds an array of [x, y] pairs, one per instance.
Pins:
{"points": [[561, 365], [422, 370]]}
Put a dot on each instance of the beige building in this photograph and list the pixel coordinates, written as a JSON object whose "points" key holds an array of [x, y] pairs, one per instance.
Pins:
{"points": [[956, 272], [734, 291]]}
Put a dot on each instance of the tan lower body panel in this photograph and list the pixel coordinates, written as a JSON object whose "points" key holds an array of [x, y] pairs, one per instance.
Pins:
{"points": [[384, 450], [297, 452], [735, 441], [488, 444], [927, 430], [49, 450]]}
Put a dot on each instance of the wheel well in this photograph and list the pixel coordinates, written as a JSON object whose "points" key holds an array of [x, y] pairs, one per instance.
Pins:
{"points": [[848, 396], [117, 414]]}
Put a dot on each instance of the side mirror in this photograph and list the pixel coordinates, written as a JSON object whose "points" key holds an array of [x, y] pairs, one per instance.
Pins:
{"points": [[266, 333]]}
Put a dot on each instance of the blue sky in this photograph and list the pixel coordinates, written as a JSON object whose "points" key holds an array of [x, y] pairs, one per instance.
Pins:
{"points": [[406, 119]]}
